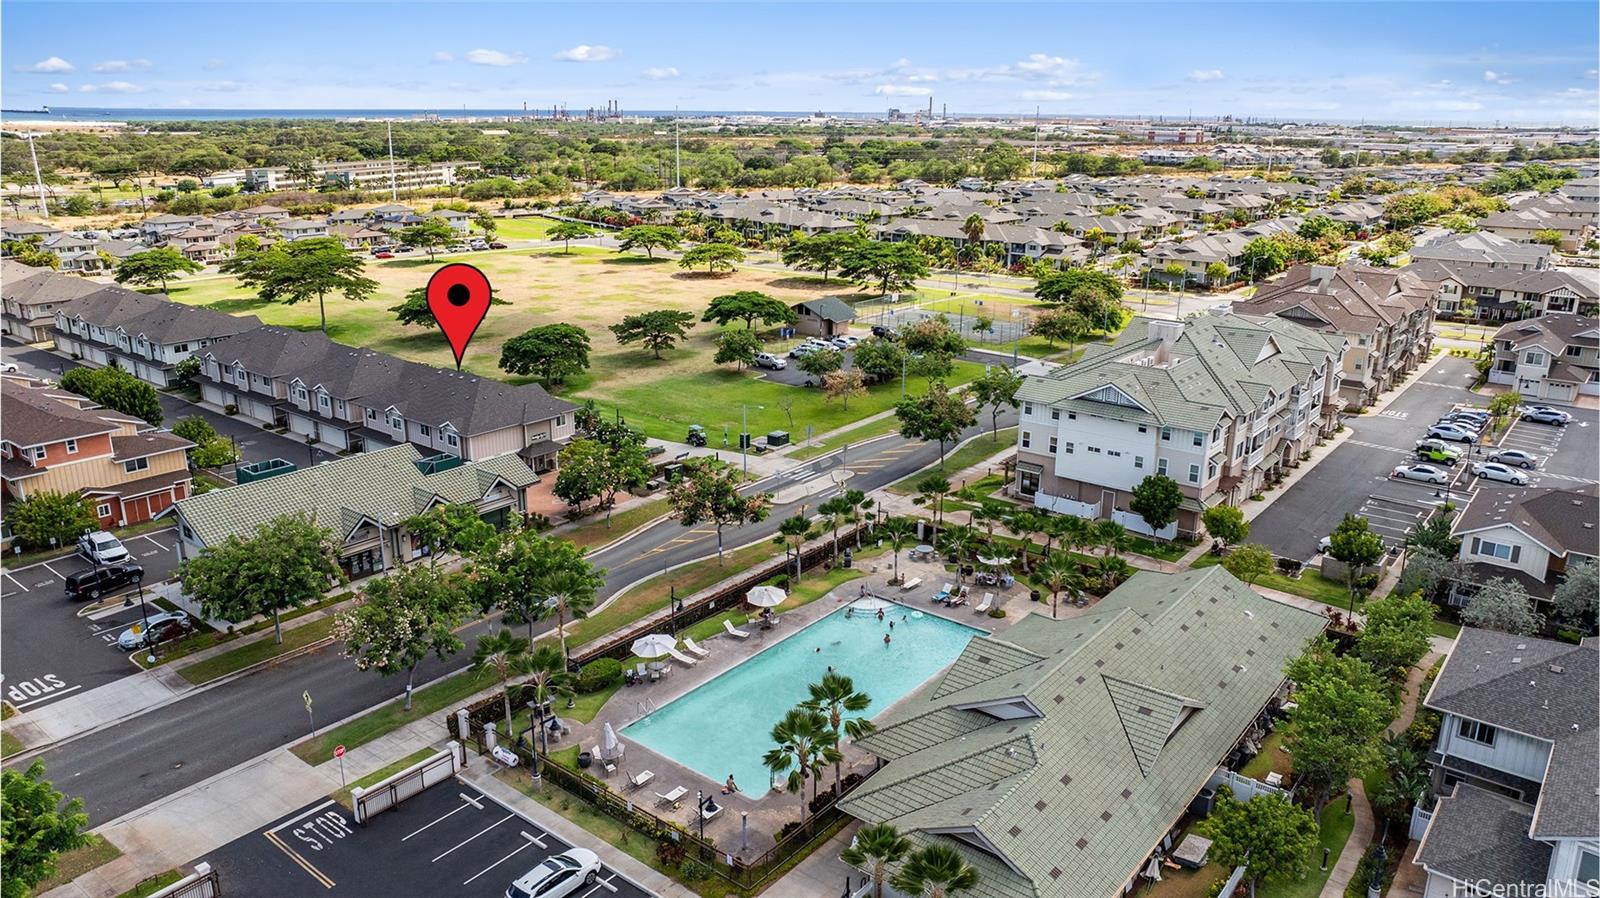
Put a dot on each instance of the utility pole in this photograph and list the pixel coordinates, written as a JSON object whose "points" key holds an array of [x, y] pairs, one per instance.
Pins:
{"points": [[38, 179], [677, 152], [394, 192], [1033, 172]]}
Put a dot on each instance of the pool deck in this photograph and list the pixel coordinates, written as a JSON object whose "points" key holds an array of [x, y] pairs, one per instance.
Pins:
{"points": [[768, 813]]}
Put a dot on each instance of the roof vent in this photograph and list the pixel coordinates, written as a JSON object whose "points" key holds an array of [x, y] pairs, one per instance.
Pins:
{"points": [[1556, 668], [1250, 614], [1516, 660], [1011, 751]]}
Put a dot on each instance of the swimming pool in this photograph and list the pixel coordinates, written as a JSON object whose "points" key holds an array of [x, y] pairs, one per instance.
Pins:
{"points": [[724, 726]]}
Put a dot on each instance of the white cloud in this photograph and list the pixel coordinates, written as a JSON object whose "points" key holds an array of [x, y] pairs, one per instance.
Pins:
{"points": [[211, 65], [112, 87], [444, 56], [1205, 75], [494, 57], [1050, 95], [1494, 77], [660, 73], [49, 64], [59, 88], [1592, 73], [588, 53], [1057, 70], [901, 90], [220, 87], [122, 65]]}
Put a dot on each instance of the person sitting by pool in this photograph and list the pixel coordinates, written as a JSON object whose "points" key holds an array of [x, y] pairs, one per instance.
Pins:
{"points": [[730, 788]]}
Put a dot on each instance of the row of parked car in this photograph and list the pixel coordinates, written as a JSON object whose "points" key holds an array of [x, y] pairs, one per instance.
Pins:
{"points": [[817, 344], [1466, 425], [113, 572], [476, 244]]}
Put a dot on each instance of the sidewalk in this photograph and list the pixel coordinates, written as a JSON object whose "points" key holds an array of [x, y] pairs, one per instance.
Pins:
{"points": [[1354, 847]]}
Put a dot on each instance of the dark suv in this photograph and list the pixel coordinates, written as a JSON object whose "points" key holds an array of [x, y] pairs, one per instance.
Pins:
{"points": [[108, 578]]}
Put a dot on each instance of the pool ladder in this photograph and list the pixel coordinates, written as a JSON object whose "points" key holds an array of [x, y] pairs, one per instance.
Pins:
{"points": [[646, 707]]}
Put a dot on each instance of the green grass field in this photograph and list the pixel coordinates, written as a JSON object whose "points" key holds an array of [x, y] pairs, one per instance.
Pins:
{"points": [[522, 228], [1311, 584]]}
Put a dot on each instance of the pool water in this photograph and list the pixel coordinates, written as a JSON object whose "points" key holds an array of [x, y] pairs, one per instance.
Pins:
{"points": [[725, 725]]}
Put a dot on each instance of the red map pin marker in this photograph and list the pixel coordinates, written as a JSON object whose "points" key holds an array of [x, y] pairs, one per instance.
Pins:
{"points": [[458, 297]]}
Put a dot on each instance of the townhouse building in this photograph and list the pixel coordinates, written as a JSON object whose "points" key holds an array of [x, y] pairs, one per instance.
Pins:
{"points": [[1514, 769], [30, 297], [1528, 535], [363, 174], [1524, 225], [1384, 316], [1500, 294], [1218, 403], [145, 335], [60, 442], [1196, 255], [1555, 357], [353, 399], [365, 499], [1481, 249]]}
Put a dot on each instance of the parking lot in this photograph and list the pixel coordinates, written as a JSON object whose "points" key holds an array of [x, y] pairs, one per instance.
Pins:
{"points": [[1355, 479], [47, 651], [450, 840]]}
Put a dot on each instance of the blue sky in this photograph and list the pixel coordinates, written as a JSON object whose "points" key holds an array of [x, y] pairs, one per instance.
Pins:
{"points": [[1446, 61]]}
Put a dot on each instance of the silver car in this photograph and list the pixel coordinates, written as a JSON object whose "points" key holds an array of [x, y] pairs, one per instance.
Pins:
{"points": [[1495, 471], [1515, 458], [101, 547], [1420, 473]]}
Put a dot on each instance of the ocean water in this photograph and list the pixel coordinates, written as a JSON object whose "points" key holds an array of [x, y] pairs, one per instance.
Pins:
{"points": [[724, 725]]}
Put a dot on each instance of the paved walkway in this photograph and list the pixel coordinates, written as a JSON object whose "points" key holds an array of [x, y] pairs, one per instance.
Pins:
{"points": [[1409, 878], [1411, 699], [1354, 847], [822, 874]]}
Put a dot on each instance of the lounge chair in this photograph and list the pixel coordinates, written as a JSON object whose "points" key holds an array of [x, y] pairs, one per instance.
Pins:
{"points": [[957, 601], [641, 673], [672, 797], [943, 594], [609, 766], [731, 630], [636, 782], [681, 657], [690, 645], [911, 584], [987, 603]]}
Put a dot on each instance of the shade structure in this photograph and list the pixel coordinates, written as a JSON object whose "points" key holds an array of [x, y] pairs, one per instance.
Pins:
{"points": [[655, 645], [610, 747], [998, 561], [766, 596]]}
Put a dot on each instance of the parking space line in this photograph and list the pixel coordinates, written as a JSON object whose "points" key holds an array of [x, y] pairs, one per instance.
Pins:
{"points": [[46, 566], [473, 836], [514, 853], [15, 582], [295, 856], [51, 696], [465, 803], [159, 544]]}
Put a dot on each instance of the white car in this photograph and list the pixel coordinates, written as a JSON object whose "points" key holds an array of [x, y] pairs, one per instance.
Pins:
{"points": [[768, 360], [1422, 473], [1489, 470], [8, 368], [1452, 433], [101, 547], [558, 876], [845, 342], [1515, 457]]}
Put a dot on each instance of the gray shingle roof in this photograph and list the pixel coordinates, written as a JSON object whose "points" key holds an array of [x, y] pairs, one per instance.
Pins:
{"points": [[830, 307], [1561, 520], [1072, 796], [383, 486], [156, 318], [1478, 835]]}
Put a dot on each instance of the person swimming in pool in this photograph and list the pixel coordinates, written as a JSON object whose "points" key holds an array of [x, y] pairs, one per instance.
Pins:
{"points": [[880, 614], [891, 625], [886, 639]]}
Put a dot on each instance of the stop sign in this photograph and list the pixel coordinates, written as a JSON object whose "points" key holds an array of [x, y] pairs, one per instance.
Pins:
{"points": [[338, 751]]}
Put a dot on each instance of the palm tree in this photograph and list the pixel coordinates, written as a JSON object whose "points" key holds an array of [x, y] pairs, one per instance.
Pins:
{"points": [[503, 653], [960, 543], [1061, 574], [900, 532], [548, 680], [795, 530], [1075, 532], [934, 871], [1111, 536], [874, 849], [833, 696], [1111, 571], [569, 594], [860, 507], [931, 490], [803, 737], [1025, 523], [837, 510]]}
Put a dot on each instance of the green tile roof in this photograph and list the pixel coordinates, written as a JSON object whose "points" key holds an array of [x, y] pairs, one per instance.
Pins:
{"points": [[1074, 795], [383, 486]]}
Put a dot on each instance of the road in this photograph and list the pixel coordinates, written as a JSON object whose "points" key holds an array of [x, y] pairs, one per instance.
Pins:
{"points": [[159, 753]]}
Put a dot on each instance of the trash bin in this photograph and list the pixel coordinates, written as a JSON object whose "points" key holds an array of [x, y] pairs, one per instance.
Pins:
{"points": [[848, 557]]}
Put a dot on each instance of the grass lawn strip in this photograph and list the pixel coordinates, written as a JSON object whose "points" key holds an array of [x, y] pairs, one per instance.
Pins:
{"points": [[594, 532], [975, 450], [343, 795], [1336, 828], [154, 884], [1310, 585], [391, 716], [653, 594], [255, 652], [859, 434], [72, 864], [9, 744]]}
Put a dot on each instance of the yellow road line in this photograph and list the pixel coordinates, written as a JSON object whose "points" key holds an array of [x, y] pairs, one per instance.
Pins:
{"points": [[297, 858]]}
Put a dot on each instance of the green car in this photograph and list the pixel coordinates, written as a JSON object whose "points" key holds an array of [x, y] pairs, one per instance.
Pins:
{"points": [[1437, 451]]}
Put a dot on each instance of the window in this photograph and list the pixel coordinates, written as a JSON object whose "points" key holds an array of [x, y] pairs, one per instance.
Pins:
{"points": [[1027, 408], [72, 447], [136, 464], [300, 393], [1211, 470], [1068, 449], [103, 510], [1027, 440], [37, 453], [1138, 462], [372, 414], [1143, 429], [451, 439], [1194, 473], [561, 420], [181, 347], [424, 430], [1576, 350], [1161, 466], [1199, 438], [322, 400], [1053, 446], [1501, 551], [1166, 434], [1477, 731], [1072, 416], [1533, 357], [1055, 414], [1588, 866]]}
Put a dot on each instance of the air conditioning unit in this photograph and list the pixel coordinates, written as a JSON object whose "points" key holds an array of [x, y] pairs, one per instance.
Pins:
{"points": [[122, 523]]}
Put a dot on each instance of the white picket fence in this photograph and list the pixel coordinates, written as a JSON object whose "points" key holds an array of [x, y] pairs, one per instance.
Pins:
{"points": [[1059, 505], [1244, 788], [1137, 524]]}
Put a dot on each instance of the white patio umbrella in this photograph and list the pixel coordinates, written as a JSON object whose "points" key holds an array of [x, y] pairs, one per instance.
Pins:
{"points": [[998, 561], [766, 596], [655, 645], [610, 747]]}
